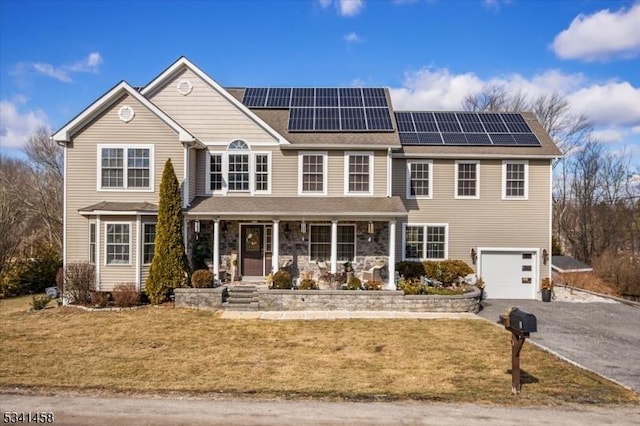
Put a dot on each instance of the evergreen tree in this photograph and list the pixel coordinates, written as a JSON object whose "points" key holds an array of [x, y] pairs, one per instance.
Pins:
{"points": [[170, 267]]}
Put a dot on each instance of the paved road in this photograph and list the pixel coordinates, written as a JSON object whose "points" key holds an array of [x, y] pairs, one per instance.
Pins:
{"points": [[603, 337], [99, 411]]}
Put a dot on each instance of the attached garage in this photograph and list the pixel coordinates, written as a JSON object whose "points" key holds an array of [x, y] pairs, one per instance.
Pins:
{"points": [[509, 273]]}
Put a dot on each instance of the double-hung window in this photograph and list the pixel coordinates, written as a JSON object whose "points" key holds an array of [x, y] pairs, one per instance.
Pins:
{"points": [[467, 179], [125, 167], [92, 243], [515, 180], [419, 179], [425, 241], [313, 173], [149, 242], [358, 173], [320, 243], [239, 170], [118, 244]]}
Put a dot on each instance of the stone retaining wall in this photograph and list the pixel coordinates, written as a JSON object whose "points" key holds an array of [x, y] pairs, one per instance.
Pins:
{"points": [[333, 300]]}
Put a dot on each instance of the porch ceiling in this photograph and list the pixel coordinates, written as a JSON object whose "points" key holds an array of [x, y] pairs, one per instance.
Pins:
{"points": [[282, 207]]}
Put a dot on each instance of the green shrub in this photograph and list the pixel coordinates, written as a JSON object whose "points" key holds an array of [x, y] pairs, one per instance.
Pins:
{"points": [[308, 284], [282, 280], [169, 268], [354, 283], [448, 272], [126, 295], [39, 302], [10, 285], [202, 278], [373, 285], [32, 273], [446, 291], [411, 286], [410, 270]]}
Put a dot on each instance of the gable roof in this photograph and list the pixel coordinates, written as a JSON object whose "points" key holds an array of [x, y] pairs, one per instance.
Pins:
{"points": [[106, 100], [183, 63]]}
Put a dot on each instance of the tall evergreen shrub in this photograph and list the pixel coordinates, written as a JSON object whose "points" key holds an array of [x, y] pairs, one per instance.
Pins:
{"points": [[170, 267]]}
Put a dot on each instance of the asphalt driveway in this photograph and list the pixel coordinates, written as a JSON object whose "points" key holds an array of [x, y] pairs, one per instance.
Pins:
{"points": [[603, 337]]}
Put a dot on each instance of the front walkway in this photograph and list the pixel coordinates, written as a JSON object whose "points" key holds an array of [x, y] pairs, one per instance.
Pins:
{"points": [[335, 315]]}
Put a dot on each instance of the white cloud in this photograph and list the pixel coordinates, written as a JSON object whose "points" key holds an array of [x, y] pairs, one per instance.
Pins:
{"points": [[635, 129], [345, 7], [608, 135], [62, 73], [17, 126], [601, 36], [606, 104], [352, 38], [610, 103], [494, 4]]}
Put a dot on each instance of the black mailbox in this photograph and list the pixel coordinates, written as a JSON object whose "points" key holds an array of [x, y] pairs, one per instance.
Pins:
{"points": [[522, 321]]}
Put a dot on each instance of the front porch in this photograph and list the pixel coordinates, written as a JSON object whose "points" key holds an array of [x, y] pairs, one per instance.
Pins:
{"points": [[248, 250]]}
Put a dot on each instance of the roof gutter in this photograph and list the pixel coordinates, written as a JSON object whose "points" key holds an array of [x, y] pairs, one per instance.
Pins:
{"points": [[318, 146]]}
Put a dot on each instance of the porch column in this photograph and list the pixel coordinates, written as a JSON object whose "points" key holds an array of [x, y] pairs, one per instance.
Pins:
{"points": [[334, 246], [275, 246], [392, 255], [216, 248]]}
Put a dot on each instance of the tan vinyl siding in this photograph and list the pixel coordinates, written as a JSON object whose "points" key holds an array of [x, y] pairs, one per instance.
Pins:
{"points": [[206, 113], [335, 179], [284, 173], [380, 174], [488, 221], [83, 173], [202, 156]]}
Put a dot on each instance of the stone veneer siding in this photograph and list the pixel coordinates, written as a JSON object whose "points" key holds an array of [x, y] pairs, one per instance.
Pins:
{"points": [[333, 300]]}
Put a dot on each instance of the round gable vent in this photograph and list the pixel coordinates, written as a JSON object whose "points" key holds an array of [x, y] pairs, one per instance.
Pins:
{"points": [[184, 87], [126, 113]]}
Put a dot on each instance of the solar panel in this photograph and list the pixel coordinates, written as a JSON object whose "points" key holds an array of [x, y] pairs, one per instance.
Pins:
{"points": [[255, 97], [405, 122], [327, 97], [447, 122], [301, 119], [502, 139], [279, 97], [350, 97], [378, 119], [327, 119], [303, 97], [464, 128], [430, 138], [374, 97], [454, 139], [493, 123], [352, 119]]}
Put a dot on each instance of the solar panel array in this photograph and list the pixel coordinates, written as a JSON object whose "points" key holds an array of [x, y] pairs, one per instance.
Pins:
{"points": [[326, 109], [464, 128]]}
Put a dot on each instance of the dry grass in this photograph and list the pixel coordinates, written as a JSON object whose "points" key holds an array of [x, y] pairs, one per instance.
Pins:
{"points": [[156, 350], [589, 281]]}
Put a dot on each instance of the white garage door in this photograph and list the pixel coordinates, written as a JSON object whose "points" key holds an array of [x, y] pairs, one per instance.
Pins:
{"points": [[509, 274]]}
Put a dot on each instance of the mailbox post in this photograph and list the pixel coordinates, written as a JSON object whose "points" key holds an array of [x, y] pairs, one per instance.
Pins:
{"points": [[520, 324]]}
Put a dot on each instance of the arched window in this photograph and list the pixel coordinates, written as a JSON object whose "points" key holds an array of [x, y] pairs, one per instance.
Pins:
{"points": [[238, 145], [238, 166]]}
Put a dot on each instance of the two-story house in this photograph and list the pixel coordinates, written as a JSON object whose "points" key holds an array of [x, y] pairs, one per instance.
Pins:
{"points": [[302, 176]]}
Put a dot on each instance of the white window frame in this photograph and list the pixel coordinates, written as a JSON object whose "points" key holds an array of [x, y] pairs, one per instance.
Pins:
{"points": [[325, 173], [225, 171], [408, 179], [329, 226], [106, 243], [425, 226], [347, 156], [143, 244], [92, 224], [456, 178], [504, 180], [125, 178]]}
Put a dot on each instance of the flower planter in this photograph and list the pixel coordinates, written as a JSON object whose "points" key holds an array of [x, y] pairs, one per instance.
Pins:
{"points": [[546, 295]]}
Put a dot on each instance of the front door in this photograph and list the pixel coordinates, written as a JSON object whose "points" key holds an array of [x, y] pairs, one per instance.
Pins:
{"points": [[252, 262]]}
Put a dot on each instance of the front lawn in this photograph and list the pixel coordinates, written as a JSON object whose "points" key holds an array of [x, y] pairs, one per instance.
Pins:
{"points": [[162, 349]]}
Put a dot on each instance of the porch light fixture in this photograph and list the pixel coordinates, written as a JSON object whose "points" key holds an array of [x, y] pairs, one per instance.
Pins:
{"points": [[287, 231], [303, 227], [370, 228], [196, 226], [545, 256], [474, 256]]}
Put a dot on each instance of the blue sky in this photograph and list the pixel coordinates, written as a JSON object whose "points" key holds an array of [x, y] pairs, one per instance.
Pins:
{"points": [[58, 57]]}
